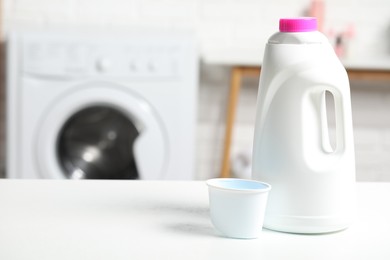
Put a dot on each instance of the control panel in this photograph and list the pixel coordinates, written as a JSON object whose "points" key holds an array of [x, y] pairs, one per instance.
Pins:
{"points": [[60, 58]]}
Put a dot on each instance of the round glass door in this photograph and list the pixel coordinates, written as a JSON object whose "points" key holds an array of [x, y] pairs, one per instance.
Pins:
{"points": [[97, 143]]}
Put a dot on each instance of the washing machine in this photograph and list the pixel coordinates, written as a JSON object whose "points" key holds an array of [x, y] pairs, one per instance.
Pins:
{"points": [[101, 106]]}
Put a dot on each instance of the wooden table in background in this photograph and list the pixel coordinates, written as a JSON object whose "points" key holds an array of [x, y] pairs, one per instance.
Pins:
{"points": [[239, 72]]}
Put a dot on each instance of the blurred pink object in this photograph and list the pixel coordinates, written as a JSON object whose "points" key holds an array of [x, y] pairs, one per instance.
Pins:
{"points": [[350, 31], [317, 9]]}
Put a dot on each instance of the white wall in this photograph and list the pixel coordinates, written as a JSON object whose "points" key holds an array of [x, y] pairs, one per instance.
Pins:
{"points": [[228, 29], [235, 31]]}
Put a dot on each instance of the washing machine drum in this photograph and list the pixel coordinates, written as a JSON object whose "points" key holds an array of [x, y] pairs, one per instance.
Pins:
{"points": [[97, 143], [104, 132]]}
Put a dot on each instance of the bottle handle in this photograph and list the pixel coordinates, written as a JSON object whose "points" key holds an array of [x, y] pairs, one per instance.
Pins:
{"points": [[333, 144]]}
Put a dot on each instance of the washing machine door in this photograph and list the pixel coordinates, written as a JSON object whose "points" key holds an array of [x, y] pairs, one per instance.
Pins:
{"points": [[102, 131]]}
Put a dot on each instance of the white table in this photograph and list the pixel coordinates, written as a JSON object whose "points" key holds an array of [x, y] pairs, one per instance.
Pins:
{"points": [[107, 220]]}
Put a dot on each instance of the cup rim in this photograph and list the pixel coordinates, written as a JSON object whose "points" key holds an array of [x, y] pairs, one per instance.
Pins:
{"points": [[216, 184]]}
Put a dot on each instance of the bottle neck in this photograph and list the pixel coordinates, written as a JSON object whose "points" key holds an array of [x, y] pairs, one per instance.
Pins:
{"points": [[313, 37]]}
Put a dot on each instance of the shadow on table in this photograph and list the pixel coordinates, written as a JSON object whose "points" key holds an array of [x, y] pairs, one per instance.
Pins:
{"points": [[194, 220], [198, 229]]}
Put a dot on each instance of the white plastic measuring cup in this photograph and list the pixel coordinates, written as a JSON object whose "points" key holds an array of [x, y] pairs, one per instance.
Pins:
{"points": [[237, 206]]}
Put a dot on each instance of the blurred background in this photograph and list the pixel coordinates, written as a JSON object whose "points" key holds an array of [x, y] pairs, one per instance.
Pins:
{"points": [[231, 33]]}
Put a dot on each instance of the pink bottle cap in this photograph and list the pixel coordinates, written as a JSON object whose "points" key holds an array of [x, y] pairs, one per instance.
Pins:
{"points": [[303, 24]]}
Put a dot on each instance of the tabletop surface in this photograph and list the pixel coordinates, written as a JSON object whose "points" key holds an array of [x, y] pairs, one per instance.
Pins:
{"points": [[49, 219]]}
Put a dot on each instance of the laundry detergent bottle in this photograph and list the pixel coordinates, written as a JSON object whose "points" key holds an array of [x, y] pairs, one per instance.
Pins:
{"points": [[312, 174]]}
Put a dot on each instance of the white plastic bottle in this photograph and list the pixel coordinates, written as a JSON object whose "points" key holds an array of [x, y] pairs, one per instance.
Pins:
{"points": [[313, 183]]}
